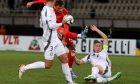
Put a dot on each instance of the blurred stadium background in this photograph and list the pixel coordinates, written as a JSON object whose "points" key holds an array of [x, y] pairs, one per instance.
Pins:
{"points": [[20, 31], [122, 16]]}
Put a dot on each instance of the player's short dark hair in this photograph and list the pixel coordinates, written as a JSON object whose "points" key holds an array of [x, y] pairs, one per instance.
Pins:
{"points": [[59, 3], [96, 41]]}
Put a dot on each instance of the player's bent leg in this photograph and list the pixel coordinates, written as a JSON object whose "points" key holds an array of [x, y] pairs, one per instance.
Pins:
{"points": [[94, 74], [96, 71], [100, 68]]}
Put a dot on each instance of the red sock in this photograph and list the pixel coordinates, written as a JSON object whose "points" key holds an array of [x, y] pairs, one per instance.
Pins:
{"points": [[70, 59]]}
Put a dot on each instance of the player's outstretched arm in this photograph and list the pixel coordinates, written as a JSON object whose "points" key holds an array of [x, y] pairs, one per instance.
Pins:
{"points": [[105, 39], [29, 4], [77, 61]]}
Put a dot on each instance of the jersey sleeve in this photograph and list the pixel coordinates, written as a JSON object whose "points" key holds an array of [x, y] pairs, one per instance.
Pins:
{"points": [[86, 58], [39, 2]]}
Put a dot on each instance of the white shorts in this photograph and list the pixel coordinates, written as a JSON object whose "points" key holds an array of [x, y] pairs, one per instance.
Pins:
{"points": [[55, 48]]}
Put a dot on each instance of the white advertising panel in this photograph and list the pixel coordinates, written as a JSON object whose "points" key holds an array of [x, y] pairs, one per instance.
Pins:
{"points": [[34, 43], [21, 43], [116, 46]]}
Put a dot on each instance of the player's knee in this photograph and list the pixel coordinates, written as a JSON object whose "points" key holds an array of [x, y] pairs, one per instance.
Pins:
{"points": [[100, 68], [48, 65], [63, 58]]}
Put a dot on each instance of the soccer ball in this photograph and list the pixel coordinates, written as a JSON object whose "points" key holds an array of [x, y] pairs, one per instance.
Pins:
{"points": [[69, 19]]}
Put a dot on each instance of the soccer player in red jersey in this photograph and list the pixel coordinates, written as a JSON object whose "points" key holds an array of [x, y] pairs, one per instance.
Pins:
{"points": [[68, 36], [67, 40], [60, 12]]}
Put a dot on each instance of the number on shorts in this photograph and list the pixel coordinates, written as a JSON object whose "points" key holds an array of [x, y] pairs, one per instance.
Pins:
{"points": [[51, 51]]}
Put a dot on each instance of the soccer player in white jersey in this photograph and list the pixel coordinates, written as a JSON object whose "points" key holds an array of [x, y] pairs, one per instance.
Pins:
{"points": [[101, 65], [52, 44]]}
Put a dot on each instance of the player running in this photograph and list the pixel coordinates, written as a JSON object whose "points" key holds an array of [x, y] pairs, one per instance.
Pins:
{"points": [[101, 64], [60, 12], [51, 42]]}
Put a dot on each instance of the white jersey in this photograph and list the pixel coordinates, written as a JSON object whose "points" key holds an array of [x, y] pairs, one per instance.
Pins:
{"points": [[100, 58], [48, 23]]}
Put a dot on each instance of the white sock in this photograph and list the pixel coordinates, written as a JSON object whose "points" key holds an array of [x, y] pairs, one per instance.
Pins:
{"points": [[79, 35], [66, 71], [35, 65], [95, 71], [104, 80]]}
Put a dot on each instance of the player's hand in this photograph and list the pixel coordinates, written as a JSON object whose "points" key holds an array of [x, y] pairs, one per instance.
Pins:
{"points": [[29, 4], [93, 28]]}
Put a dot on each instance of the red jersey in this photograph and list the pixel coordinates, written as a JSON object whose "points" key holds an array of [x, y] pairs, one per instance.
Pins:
{"points": [[40, 2], [59, 16]]}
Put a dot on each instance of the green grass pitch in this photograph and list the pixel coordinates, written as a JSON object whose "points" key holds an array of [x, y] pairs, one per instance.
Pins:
{"points": [[9, 61]]}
